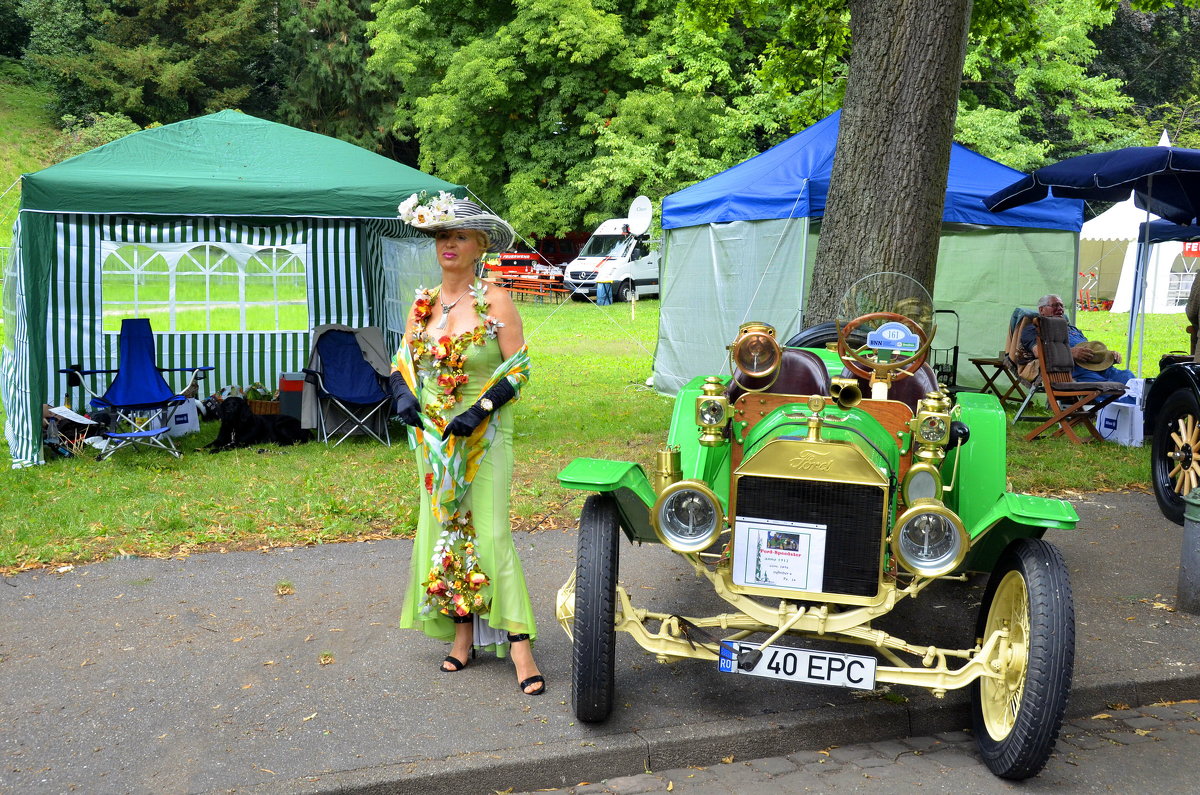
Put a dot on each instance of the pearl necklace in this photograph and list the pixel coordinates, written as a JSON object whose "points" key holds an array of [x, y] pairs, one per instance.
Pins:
{"points": [[446, 307]]}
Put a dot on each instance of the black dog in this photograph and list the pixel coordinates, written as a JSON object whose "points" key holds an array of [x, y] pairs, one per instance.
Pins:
{"points": [[241, 427]]}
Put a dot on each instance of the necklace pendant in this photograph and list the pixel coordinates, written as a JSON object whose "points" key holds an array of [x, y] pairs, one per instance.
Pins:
{"points": [[445, 319]]}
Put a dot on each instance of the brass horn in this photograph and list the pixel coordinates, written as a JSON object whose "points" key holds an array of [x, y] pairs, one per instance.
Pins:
{"points": [[845, 392]]}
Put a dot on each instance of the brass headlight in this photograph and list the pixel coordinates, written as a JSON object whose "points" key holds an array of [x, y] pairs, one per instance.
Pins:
{"points": [[755, 351], [711, 410], [929, 539], [687, 516], [923, 481]]}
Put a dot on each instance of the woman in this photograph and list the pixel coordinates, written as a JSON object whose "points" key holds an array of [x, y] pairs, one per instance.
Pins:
{"points": [[462, 363]]}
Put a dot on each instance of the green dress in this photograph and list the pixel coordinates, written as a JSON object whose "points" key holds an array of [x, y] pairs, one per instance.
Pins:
{"points": [[487, 498]]}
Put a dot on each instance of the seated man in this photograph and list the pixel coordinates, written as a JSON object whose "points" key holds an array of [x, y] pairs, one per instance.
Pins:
{"points": [[1082, 351]]}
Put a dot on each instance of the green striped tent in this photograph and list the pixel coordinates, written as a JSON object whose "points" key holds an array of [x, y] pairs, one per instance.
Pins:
{"points": [[236, 237]]}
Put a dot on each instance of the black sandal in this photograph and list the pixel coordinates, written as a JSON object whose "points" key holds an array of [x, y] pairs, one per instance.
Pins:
{"points": [[456, 664], [533, 680]]}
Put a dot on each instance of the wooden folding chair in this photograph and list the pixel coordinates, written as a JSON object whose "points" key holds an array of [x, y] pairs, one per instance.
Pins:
{"points": [[1071, 403], [1022, 365]]}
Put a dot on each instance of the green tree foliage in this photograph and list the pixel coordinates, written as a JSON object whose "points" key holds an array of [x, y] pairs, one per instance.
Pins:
{"points": [[58, 29], [325, 86], [80, 135], [14, 30], [166, 60], [1155, 56], [1040, 104], [558, 112]]}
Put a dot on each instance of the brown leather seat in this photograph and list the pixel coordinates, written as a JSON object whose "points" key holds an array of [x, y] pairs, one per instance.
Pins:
{"points": [[800, 373], [908, 390]]}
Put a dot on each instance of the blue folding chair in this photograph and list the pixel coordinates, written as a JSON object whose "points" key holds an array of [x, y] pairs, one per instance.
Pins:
{"points": [[139, 400], [353, 396]]}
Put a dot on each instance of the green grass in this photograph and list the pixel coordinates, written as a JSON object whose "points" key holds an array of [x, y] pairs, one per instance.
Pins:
{"points": [[586, 398], [1054, 466], [27, 134]]}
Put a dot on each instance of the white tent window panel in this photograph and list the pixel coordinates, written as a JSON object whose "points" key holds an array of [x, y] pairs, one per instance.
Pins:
{"points": [[194, 287], [407, 264], [1179, 283]]}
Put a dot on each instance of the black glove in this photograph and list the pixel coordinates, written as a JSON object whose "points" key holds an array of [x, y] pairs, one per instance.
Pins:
{"points": [[404, 401], [466, 423]]}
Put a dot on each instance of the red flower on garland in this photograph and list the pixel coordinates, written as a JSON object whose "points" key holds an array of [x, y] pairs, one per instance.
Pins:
{"points": [[429, 482]]}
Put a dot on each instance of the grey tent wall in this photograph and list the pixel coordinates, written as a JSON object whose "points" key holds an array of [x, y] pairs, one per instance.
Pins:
{"points": [[715, 276]]}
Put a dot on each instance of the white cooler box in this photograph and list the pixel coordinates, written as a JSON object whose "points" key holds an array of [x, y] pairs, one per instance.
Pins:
{"points": [[1121, 423], [185, 420]]}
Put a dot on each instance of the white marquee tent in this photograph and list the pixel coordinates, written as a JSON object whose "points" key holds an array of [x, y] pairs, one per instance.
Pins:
{"points": [[1113, 236]]}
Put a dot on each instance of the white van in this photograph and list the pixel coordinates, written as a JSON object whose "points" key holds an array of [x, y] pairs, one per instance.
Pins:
{"points": [[613, 255]]}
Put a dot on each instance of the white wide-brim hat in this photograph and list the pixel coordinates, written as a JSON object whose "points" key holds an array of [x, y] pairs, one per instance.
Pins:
{"points": [[466, 214]]}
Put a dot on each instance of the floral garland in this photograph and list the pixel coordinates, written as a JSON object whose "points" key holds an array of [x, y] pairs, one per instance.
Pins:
{"points": [[455, 585], [442, 359]]}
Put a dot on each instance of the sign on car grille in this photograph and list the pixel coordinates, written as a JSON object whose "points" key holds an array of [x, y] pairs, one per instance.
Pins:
{"points": [[780, 519]]}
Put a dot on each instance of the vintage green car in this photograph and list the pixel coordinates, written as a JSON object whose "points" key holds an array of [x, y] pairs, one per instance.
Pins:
{"points": [[815, 489]]}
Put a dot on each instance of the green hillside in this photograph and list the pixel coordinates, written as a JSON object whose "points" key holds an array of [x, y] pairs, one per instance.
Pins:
{"points": [[26, 138]]}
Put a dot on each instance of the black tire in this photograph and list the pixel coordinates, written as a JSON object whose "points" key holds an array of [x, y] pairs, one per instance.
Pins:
{"points": [[626, 291], [593, 651], [822, 334], [1180, 415], [1016, 718]]}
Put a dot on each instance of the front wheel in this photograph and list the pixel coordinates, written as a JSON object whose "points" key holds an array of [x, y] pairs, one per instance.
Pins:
{"points": [[1175, 452], [594, 634], [626, 292], [1017, 708]]}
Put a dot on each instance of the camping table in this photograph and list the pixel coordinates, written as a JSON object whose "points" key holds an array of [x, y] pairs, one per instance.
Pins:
{"points": [[538, 288], [991, 368]]}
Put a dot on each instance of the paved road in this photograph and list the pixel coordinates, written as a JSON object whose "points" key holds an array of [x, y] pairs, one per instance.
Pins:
{"points": [[193, 675], [1144, 750]]}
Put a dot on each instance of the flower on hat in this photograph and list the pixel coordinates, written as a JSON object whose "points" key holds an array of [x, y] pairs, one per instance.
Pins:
{"points": [[420, 209]]}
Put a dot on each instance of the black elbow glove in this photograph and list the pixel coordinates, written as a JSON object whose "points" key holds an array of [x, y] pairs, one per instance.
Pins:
{"points": [[404, 401], [490, 401]]}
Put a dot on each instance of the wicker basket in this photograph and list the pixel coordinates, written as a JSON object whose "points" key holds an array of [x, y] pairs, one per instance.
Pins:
{"points": [[263, 407]]}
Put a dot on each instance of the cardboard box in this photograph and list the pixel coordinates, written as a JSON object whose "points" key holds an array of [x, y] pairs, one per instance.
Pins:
{"points": [[1121, 423]]}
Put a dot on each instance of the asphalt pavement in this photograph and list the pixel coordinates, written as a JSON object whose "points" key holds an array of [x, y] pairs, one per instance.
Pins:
{"points": [[196, 675]]}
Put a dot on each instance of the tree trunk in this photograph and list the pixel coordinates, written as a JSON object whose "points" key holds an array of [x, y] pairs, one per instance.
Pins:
{"points": [[888, 184]]}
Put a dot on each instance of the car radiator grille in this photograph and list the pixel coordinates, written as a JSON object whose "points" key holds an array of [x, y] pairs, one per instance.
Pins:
{"points": [[852, 512]]}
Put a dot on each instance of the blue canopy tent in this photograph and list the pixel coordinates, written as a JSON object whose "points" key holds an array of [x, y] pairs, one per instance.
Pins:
{"points": [[740, 245]]}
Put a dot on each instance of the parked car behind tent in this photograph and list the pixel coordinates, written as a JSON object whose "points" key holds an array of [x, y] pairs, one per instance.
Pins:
{"points": [[742, 243], [234, 234]]}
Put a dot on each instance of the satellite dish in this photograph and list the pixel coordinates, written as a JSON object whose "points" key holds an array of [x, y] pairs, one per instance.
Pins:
{"points": [[641, 213]]}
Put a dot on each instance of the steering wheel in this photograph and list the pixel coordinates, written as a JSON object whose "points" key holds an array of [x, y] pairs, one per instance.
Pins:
{"points": [[863, 363]]}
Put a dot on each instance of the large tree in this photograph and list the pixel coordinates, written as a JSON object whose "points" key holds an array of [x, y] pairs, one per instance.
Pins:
{"points": [[1042, 102], [558, 112], [1154, 54], [166, 60], [889, 176], [324, 83], [893, 150]]}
